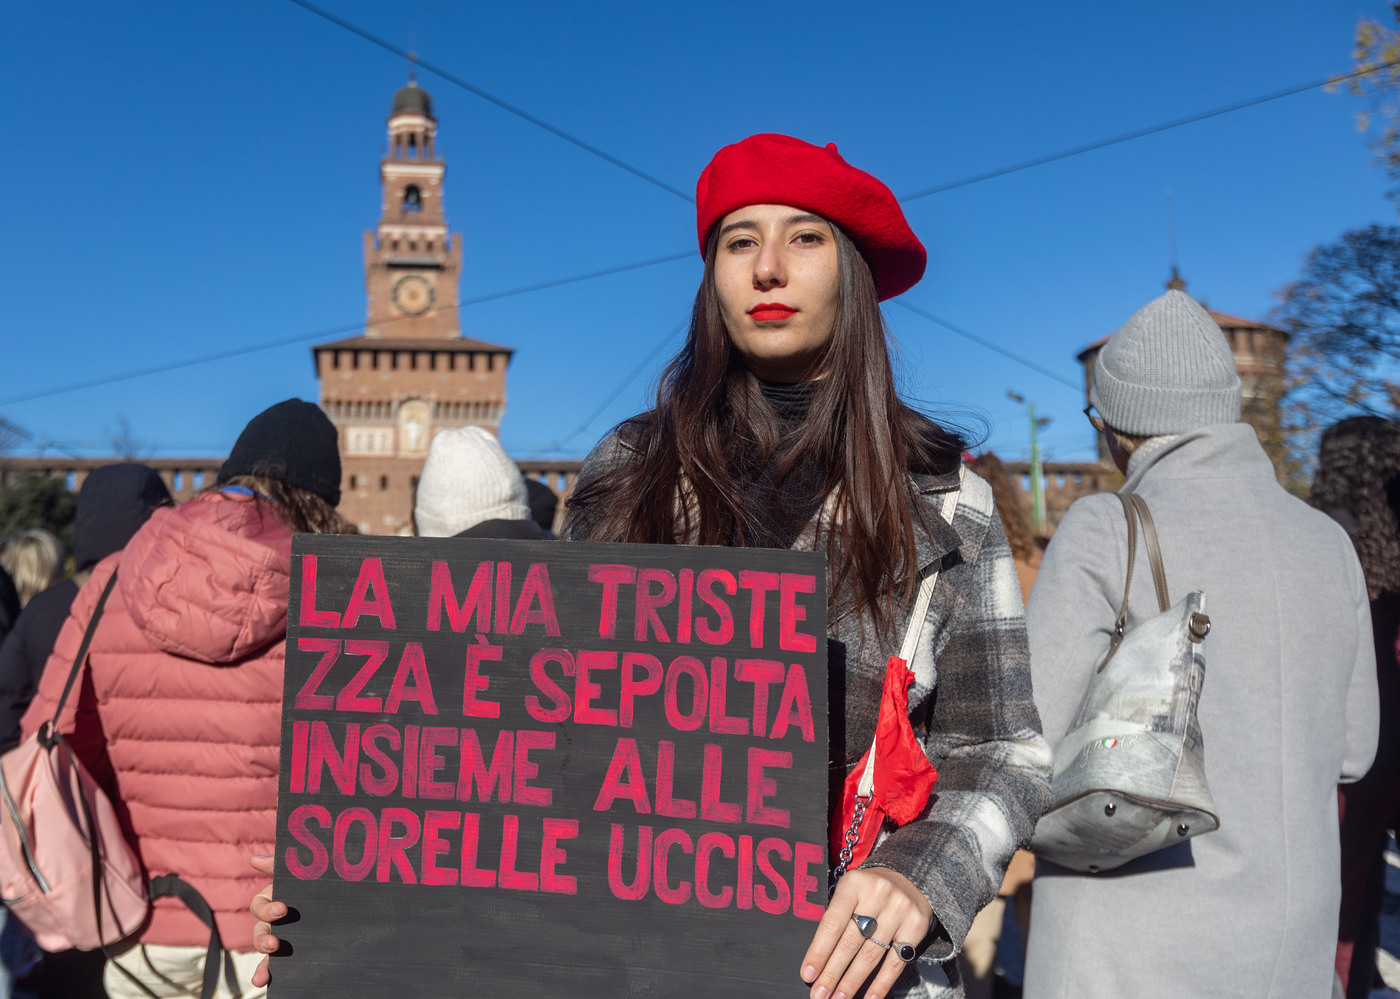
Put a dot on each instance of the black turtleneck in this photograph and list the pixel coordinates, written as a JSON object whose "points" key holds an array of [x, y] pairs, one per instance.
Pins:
{"points": [[780, 518], [789, 400]]}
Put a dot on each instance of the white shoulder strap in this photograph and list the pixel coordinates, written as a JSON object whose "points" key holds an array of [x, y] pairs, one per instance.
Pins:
{"points": [[916, 621], [916, 626]]}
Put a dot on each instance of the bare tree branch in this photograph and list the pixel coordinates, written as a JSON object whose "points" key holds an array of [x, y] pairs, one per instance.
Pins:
{"points": [[1343, 313]]}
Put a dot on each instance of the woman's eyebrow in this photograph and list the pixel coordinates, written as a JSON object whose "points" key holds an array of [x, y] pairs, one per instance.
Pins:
{"points": [[741, 224], [751, 224]]}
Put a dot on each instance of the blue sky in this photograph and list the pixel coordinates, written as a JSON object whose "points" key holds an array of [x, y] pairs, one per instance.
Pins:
{"points": [[191, 178]]}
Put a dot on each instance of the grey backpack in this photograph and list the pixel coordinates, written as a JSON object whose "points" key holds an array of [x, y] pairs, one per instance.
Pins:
{"points": [[1130, 777]]}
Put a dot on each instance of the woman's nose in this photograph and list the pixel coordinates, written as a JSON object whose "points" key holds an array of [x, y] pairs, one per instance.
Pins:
{"points": [[768, 267]]}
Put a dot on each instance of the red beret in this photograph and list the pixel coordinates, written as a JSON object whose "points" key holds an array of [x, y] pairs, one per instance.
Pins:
{"points": [[780, 170]]}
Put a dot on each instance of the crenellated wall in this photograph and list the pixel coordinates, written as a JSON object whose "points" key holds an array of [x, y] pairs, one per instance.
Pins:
{"points": [[183, 476], [1065, 482], [187, 476]]}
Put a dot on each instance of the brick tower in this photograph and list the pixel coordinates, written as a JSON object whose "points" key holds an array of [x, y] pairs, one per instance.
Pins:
{"points": [[412, 372]]}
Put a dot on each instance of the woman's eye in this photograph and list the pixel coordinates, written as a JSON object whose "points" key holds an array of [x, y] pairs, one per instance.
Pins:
{"points": [[810, 238], [742, 243]]}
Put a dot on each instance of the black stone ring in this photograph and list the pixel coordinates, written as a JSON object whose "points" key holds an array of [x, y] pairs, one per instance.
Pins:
{"points": [[866, 925], [905, 952]]}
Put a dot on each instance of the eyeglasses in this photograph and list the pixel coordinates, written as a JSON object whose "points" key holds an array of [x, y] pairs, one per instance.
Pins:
{"points": [[1095, 420]]}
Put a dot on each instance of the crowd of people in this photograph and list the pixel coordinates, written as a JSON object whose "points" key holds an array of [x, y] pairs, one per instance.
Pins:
{"points": [[778, 425]]}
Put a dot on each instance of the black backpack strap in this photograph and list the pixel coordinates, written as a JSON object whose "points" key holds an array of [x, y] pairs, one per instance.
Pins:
{"points": [[46, 732], [174, 886]]}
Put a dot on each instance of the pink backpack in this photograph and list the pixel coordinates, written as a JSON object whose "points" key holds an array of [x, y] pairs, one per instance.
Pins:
{"points": [[67, 871]]}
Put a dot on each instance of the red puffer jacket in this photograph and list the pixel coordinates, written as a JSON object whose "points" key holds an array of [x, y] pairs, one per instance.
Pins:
{"points": [[179, 713]]}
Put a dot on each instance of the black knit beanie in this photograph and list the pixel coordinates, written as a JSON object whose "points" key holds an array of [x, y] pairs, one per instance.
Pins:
{"points": [[292, 441]]}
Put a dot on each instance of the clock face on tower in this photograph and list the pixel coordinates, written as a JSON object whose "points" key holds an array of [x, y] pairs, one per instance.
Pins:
{"points": [[414, 294]]}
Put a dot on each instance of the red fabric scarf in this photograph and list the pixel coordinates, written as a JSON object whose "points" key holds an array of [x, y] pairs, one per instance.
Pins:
{"points": [[903, 777]]}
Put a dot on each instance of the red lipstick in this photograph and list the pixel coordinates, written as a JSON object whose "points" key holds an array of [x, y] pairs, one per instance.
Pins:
{"points": [[770, 312]]}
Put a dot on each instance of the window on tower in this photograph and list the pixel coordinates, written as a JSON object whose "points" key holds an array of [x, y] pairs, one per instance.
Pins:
{"points": [[412, 199]]}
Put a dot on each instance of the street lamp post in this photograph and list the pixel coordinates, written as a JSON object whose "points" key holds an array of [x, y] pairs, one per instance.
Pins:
{"points": [[1037, 478]]}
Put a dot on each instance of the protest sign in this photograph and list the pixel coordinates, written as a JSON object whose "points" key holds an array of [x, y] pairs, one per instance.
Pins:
{"points": [[577, 769]]}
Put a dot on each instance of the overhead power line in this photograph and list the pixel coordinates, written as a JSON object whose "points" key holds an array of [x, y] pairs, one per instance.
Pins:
{"points": [[989, 344], [926, 192], [223, 355], [451, 78], [559, 444], [457, 81], [978, 178]]}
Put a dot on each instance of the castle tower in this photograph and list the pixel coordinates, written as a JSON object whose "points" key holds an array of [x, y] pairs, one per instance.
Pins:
{"points": [[411, 373], [412, 263]]}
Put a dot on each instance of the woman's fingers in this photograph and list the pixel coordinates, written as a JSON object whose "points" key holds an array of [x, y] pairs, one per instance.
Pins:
{"points": [[267, 911], [266, 908], [846, 978], [852, 952], [261, 974], [912, 932], [840, 959], [829, 931]]}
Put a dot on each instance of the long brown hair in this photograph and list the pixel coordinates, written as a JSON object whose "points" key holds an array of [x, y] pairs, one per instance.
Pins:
{"points": [[302, 511], [1358, 473], [712, 431]]}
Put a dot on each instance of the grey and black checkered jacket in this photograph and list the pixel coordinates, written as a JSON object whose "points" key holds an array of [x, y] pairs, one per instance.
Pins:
{"points": [[971, 700]]}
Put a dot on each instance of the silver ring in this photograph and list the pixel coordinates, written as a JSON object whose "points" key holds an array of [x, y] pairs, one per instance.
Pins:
{"points": [[905, 952], [866, 925], [878, 943]]}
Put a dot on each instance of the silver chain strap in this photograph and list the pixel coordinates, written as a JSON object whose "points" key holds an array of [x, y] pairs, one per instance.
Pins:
{"points": [[852, 838]]}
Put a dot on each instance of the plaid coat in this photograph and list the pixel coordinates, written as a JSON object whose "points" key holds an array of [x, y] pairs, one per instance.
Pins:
{"points": [[971, 699]]}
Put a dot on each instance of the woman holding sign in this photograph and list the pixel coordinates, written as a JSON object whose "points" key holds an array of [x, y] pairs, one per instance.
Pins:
{"points": [[778, 425]]}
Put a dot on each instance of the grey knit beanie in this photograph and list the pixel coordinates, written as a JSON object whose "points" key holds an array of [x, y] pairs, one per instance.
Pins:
{"points": [[1168, 370]]}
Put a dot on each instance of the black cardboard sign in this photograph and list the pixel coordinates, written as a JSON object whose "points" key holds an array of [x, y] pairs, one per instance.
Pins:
{"points": [[550, 768]]}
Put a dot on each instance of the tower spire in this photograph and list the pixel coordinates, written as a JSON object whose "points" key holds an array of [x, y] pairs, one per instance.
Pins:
{"points": [[411, 260], [1176, 282]]}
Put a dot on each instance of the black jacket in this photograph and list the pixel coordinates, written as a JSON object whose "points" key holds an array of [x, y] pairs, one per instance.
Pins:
{"points": [[510, 530], [24, 652], [114, 502], [9, 604]]}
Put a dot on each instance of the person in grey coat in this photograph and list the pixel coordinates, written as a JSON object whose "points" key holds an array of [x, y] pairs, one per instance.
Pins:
{"points": [[1288, 708]]}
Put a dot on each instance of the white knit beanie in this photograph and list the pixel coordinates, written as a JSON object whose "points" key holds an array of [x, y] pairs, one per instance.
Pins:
{"points": [[1167, 371], [467, 478]]}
